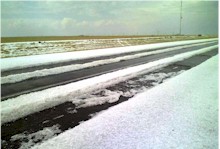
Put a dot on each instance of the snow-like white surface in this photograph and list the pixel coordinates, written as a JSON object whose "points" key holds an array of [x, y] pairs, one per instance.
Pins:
{"points": [[30, 61], [46, 47], [28, 140], [37, 101], [95, 40], [16, 49], [92, 100], [129, 89], [46, 72], [110, 96], [180, 113]]}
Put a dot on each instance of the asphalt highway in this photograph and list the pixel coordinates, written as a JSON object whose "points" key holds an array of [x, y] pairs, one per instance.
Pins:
{"points": [[40, 83], [61, 116]]}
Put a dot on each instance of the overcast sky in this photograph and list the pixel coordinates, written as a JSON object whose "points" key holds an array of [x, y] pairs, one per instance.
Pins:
{"points": [[69, 18]]}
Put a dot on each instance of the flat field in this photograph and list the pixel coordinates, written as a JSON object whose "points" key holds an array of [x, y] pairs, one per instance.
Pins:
{"points": [[24, 46], [49, 38]]}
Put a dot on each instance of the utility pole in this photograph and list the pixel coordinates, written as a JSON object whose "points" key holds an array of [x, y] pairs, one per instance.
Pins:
{"points": [[181, 17]]}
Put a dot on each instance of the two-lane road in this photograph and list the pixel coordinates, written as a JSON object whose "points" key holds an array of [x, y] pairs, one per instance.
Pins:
{"points": [[10, 90]]}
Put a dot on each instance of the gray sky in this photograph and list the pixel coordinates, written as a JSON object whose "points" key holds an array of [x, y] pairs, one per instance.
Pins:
{"points": [[69, 18]]}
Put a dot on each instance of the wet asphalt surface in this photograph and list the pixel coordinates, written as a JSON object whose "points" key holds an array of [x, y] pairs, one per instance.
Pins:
{"points": [[17, 71], [36, 84], [67, 115]]}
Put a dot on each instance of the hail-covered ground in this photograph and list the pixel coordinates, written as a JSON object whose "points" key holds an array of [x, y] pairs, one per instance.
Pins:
{"points": [[15, 49], [151, 115], [54, 96], [72, 67], [87, 106], [180, 113]]}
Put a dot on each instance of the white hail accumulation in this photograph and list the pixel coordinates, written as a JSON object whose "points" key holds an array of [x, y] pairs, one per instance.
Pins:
{"points": [[46, 72], [180, 113], [37, 60], [40, 100]]}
